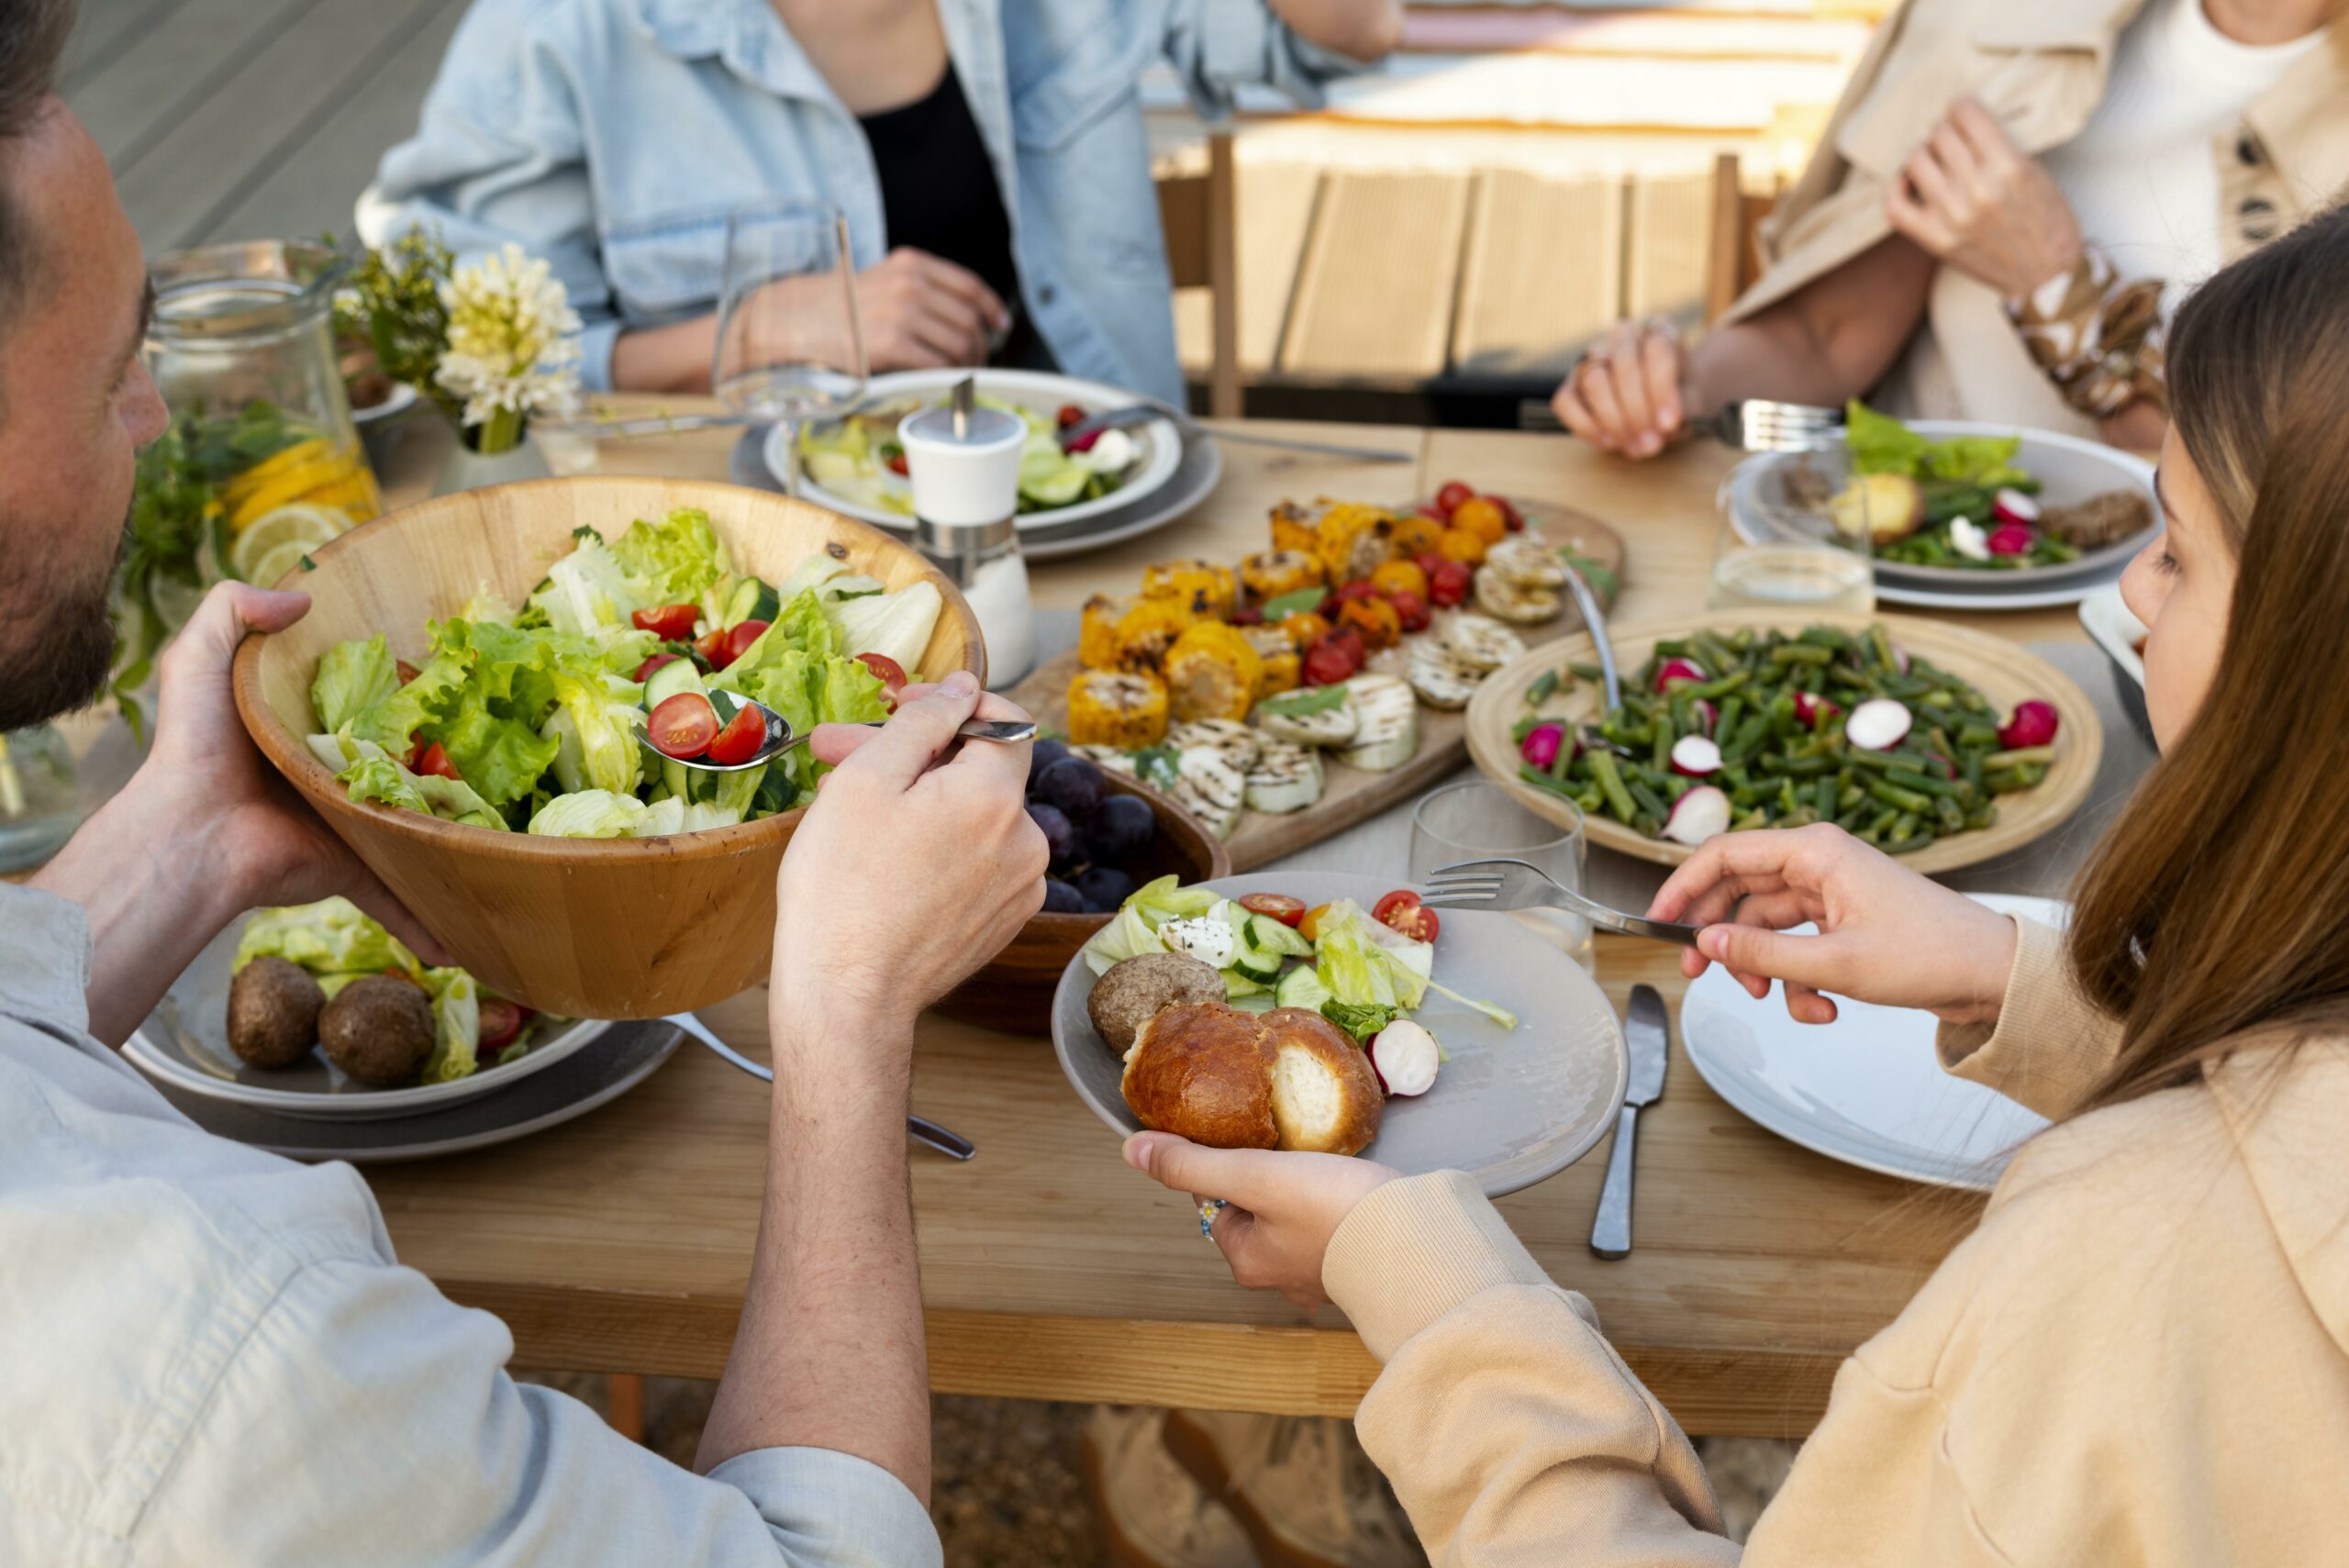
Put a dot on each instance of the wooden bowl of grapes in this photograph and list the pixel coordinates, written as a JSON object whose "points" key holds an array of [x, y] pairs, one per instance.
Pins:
{"points": [[1110, 833]]}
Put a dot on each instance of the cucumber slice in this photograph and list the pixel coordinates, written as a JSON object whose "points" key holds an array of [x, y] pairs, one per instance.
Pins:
{"points": [[1273, 936], [1255, 963], [753, 599], [678, 675], [1302, 988]]}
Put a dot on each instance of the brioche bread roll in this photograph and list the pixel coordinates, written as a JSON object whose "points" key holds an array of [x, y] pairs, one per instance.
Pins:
{"points": [[1286, 1079]]}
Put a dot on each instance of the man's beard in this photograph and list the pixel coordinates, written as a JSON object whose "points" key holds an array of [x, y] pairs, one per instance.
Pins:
{"points": [[65, 667]]}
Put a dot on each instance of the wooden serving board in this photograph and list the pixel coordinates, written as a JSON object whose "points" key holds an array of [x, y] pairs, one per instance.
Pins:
{"points": [[2003, 672], [1350, 797]]}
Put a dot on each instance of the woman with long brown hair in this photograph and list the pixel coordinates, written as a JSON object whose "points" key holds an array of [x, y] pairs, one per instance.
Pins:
{"points": [[2141, 1353]]}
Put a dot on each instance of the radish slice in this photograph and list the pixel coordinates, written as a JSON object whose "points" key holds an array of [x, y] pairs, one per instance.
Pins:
{"points": [[1899, 658], [1707, 714], [1808, 707], [1698, 816], [1967, 539], [2033, 724], [1405, 1057], [1877, 725], [1543, 742], [2010, 539], [1695, 756], [1673, 670], [2014, 507]]}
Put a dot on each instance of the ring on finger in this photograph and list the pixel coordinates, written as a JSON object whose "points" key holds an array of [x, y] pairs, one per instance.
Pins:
{"points": [[1209, 1208]]}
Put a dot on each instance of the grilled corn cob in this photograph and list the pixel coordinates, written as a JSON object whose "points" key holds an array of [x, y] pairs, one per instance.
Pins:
{"points": [[1297, 528], [1271, 572], [1211, 672], [1096, 633], [1116, 708], [1149, 628], [1207, 585], [1351, 540], [1283, 665]]}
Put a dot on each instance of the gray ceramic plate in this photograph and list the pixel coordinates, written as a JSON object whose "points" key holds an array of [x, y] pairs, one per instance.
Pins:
{"points": [[185, 1043], [624, 1055], [1509, 1108]]}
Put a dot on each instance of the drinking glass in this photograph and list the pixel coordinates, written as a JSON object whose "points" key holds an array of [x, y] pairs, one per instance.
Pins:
{"points": [[790, 348], [1478, 819], [1776, 553]]}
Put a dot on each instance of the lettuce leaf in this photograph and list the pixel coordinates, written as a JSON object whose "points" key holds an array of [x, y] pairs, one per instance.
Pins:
{"points": [[896, 625], [1881, 444], [379, 778], [808, 689], [674, 560], [456, 1026], [331, 937], [589, 591], [426, 700], [590, 814], [1135, 929], [605, 730], [352, 677]]}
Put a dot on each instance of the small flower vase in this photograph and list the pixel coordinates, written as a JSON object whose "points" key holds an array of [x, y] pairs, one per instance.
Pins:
{"points": [[467, 469]]}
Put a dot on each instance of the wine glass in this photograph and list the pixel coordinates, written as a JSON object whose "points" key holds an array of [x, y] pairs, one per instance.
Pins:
{"points": [[790, 348]]}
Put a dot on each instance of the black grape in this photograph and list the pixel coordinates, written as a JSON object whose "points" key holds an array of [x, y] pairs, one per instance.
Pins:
{"points": [[1060, 833], [1059, 899], [1123, 825], [1042, 755], [1104, 888], [1072, 784]]}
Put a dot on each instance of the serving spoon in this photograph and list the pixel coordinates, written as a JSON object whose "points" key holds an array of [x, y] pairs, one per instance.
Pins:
{"points": [[781, 739]]}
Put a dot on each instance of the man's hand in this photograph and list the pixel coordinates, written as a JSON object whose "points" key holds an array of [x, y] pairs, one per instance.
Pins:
{"points": [[1972, 198], [1283, 1207], [908, 874], [205, 831]]}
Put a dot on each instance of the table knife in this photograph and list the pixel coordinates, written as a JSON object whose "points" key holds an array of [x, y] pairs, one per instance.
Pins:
{"points": [[1644, 1032]]}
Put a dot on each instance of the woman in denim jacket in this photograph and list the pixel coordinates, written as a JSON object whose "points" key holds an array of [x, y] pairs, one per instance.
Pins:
{"points": [[612, 137]]}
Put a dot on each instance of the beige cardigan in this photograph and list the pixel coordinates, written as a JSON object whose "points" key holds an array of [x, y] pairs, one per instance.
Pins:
{"points": [[2137, 1358], [2040, 66]]}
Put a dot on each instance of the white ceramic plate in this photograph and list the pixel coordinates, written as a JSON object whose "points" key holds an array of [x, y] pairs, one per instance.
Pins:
{"points": [[185, 1043], [1160, 443], [1509, 1108], [2069, 469], [1866, 1089], [626, 1054]]}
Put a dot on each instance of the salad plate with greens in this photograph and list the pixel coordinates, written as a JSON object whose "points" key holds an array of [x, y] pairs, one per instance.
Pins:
{"points": [[201, 1037], [573, 711], [854, 464], [1959, 508], [1514, 1066]]}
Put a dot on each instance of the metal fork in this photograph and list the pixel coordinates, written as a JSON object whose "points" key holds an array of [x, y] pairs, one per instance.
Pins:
{"points": [[1514, 885], [921, 1129], [1754, 425]]}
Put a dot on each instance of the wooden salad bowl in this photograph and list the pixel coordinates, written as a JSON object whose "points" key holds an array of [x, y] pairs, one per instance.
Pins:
{"points": [[1014, 992], [2004, 672], [596, 928]]}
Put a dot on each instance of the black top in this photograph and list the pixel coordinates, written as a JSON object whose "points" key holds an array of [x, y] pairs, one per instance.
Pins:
{"points": [[939, 195]]}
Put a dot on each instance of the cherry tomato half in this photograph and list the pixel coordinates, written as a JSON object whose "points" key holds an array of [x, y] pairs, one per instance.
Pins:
{"points": [[1429, 562], [682, 725], [1279, 906], [407, 670], [897, 464], [434, 759], [1448, 585], [1410, 609], [710, 649], [1448, 498], [1331, 660], [1403, 911], [1309, 927], [1069, 414], [741, 737], [892, 674], [1346, 592], [738, 638], [501, 1020], [670, 623], [645, 671]]}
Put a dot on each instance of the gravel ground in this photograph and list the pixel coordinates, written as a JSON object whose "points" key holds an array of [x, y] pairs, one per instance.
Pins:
{"points": [[1008, 1488]]}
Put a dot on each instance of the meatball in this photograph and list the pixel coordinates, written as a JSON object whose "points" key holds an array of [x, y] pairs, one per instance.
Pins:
{"points": [[378, 1029], [1133, 992], [273, 1013]]}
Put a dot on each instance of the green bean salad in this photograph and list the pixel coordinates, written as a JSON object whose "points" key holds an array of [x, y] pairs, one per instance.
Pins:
{"points": [[1733, 730]]}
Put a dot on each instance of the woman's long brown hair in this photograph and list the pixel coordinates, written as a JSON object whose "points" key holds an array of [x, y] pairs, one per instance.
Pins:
{"points": [[2219, 904]]}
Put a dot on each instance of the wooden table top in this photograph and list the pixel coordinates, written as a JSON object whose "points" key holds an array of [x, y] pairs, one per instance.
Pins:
{"points": [[622, 1241]]}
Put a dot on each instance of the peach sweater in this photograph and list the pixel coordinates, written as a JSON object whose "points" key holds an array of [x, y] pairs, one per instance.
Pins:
{"points": [[2138, 1357]]}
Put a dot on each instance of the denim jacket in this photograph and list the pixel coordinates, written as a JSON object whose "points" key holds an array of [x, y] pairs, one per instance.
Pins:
{"points": [[611, 137]]}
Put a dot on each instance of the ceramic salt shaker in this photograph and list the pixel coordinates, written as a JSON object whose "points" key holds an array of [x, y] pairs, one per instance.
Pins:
{"points": [[963, 462]]}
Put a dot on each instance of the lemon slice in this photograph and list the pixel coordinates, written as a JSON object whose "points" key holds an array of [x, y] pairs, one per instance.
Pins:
{"points": [[279, 562], [299, 526]]}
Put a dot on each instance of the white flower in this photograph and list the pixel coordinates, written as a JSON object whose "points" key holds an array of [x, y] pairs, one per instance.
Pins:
{"points": [[512, 339]]}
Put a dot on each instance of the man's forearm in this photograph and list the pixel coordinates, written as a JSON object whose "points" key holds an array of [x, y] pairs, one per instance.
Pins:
{"points": [[1366, 31], [830, 1352], [1829, 341], [151, 902]]}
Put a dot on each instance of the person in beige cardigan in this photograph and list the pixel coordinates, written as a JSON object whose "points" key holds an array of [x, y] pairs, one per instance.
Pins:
{"points": [[2000, 215], [2141, 1353]]}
